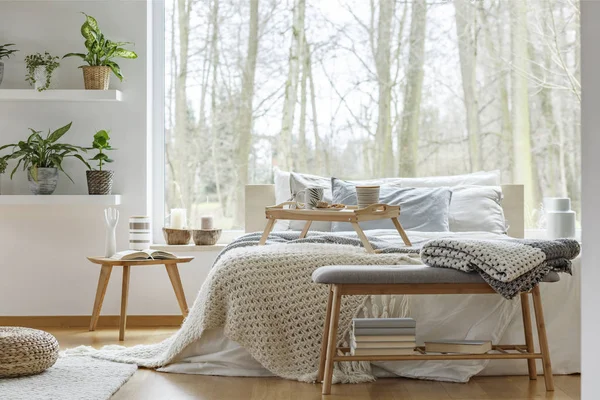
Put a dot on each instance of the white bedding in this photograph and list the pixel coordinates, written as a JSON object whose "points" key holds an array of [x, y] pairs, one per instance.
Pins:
{"points": [[456, 316]]}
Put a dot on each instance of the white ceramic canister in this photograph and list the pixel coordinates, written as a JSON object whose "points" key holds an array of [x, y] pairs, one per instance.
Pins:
{"points": [[560, 219], [140, 232]]}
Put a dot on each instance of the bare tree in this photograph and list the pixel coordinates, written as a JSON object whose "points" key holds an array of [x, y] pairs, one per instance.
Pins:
{"points": [[383, 136], [284, 148], [522, 172], [245, 114], [409, 129], [466, 31]]}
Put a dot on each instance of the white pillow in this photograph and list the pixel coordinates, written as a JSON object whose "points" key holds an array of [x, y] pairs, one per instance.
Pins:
{"points": [[477, 209], [491, 178]]}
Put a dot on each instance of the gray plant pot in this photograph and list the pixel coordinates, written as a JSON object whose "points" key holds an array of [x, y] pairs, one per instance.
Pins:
{"points": [[100, 182], [1, 71], [46, 182]]}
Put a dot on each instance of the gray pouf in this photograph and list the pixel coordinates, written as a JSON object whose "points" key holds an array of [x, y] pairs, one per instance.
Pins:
{"points": [[26, 351]]}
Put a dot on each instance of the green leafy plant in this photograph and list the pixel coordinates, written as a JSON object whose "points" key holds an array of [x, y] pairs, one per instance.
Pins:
{"points": [[101, 51], [6, 53], [101, 143], [34, 61], [38, 152], [3, 165]]}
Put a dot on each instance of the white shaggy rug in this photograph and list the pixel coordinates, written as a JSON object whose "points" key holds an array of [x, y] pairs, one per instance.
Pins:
{"points": [[71, 378]]}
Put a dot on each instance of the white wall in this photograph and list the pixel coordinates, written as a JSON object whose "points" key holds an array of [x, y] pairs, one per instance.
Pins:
{"points": [[43, 270], [590, 142]]}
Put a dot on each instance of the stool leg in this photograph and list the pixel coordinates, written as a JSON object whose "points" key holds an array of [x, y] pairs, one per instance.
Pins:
{"points": [[528, 334], [323, 355], [124, 295], [543, 339], [100, 292], [332, 338], [173, 273]]}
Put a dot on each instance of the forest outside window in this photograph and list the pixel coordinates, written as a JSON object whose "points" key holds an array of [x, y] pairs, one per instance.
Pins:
{"points": [[363, 89]]}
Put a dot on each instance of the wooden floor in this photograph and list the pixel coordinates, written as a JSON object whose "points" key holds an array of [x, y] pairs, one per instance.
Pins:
{"points": [[150, 385]]}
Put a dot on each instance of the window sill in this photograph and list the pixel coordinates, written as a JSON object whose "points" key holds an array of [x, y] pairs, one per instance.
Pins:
{"points": [[188, 247]]}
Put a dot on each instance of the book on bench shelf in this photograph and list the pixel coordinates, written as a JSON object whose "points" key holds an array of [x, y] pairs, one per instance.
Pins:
{"points": [[382, 336]]}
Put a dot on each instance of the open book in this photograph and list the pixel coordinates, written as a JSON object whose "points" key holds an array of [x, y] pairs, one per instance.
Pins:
{"points": [[149, 254]]}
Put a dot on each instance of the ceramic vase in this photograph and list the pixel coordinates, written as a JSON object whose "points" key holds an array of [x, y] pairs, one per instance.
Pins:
{"points": [[140, 232], [560, 219]]}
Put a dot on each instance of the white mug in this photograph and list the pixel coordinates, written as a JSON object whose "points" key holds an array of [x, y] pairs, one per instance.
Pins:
{"points": [[312, 195]]}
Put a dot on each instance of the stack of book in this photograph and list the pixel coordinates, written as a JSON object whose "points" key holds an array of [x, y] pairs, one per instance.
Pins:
{"points": [[382, 336]]}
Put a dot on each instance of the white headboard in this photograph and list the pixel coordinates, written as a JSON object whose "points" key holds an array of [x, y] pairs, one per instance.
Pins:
{"points": [[260, 196]]}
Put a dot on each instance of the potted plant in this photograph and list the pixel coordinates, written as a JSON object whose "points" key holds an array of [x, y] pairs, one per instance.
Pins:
{"points": [[3, 165], [99, 56], [40, 69], [5, 53], [100, 181], [42, 158]]}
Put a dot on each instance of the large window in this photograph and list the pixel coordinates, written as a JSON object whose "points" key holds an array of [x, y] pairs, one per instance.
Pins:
{"points": [[360, 89]]}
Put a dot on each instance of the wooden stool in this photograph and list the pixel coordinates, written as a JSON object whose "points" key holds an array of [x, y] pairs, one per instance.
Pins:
{"points": [[107, 266], [349, 280]]}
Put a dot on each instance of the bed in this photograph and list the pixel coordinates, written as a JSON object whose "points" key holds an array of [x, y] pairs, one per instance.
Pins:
{"points": [[465, 316]]}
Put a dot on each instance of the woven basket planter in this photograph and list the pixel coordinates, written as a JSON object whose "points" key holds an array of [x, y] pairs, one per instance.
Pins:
{"points": [[26, 351], [100, 182], [96, 78]]}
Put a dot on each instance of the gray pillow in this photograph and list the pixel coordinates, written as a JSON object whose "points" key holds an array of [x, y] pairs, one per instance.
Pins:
{"points": [[421, 209]]}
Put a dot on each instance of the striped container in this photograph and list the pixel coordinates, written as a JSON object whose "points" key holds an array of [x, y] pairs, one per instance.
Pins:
{"points": [[140, 233]]}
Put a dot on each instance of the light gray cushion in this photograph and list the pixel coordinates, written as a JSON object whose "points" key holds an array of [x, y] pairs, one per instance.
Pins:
{"points": [[477, 208], [386, 274], [421, 209]]}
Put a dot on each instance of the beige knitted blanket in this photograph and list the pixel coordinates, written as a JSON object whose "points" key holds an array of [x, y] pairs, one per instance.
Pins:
{"points": [[265, 300]]}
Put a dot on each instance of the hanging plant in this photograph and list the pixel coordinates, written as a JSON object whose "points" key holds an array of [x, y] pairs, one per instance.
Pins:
{"points": [[40, 69]]}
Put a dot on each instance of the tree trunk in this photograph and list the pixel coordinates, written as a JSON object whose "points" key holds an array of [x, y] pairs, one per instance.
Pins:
{"points": [[409, 129], [466, 32], [302, 163], [245, 114], [385, 166], [284, 148], [313, 104], [523, 171], [180, 176], [213, 104]]}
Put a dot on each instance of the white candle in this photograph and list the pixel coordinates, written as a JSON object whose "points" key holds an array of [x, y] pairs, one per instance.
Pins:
{"points": [[178, 218], [206, 222]]}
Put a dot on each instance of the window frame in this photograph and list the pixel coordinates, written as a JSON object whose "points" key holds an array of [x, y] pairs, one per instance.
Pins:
{"points": [[157, 119]]}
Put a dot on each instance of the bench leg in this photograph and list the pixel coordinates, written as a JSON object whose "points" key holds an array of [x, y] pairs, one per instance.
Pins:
{"points": [[332, 338], [526, 310], [323, 355], [543, 339]]}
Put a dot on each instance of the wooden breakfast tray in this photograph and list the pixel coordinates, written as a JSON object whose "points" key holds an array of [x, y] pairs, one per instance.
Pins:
{"points": [[351, 214]]}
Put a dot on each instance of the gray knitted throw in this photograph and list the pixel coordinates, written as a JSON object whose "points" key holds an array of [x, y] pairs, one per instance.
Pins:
{"points": [[509, 266]]}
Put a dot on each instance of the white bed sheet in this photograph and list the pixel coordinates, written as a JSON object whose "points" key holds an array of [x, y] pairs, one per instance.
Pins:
{"points": [[438, 316]]}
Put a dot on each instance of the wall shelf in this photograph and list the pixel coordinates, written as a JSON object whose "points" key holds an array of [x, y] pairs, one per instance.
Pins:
{"points": [[60, 199], [74, 95]]}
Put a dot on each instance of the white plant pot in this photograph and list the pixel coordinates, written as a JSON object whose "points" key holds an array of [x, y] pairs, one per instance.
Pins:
{"points": [[39, 75]]}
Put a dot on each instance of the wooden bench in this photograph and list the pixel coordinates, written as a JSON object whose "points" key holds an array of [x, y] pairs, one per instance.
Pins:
{"points": [[419, 279]]}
